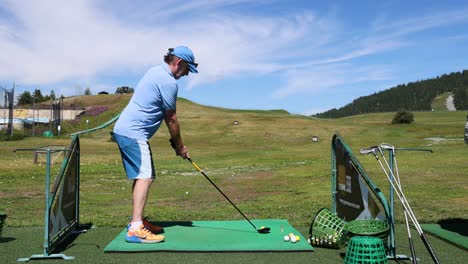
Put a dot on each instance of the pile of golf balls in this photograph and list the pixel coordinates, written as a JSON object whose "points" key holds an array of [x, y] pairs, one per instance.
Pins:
{"points": [[291, 237], [328, 240]]}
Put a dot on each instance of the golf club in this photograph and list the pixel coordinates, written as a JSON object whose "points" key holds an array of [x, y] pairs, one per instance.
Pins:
{"points": [[410, 239], [262, 230], [403, 201]]}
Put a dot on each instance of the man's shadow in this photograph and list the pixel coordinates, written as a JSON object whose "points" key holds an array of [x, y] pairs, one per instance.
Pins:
{"points": [[6, 239], [457, 225]]}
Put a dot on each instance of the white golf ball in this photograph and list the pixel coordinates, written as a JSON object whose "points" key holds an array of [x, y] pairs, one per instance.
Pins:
{"points": [[286, 238], [293, 239], [186, 192]]}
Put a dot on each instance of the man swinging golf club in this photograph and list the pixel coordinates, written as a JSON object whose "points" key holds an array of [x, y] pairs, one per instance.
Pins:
{"points": [[153, 101]]}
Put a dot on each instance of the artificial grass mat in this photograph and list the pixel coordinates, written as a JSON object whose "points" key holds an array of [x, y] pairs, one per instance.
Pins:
{"points": [[217, 236], [88, 248], [454, 233]]}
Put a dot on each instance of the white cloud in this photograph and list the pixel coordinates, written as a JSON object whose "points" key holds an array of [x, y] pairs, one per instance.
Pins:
{"points": [[54, 41], [325, 73], [317, 79], [57, 41], [51, 41]]}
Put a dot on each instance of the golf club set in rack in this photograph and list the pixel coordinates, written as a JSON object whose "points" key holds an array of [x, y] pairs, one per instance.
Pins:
{"points": [[394, 179]]}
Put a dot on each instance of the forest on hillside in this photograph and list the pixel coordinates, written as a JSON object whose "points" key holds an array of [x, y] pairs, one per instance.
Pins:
{"points": [[413, 96]]}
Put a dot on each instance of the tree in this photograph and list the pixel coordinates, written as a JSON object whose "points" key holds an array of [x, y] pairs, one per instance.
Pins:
{"points": [[25, 98], [411, 96], [87, 91], [403, 117], [124, 89], [460, 98], [52, 95], [38, 95]]}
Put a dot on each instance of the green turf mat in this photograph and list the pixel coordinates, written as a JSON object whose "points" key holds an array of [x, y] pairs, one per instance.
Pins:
{"points": [[452, 233], [217, 236]]}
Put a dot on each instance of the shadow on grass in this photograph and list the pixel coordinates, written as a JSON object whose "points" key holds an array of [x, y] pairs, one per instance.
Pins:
{"points": [[173, 223], [165, 224], [6, 239], [457, 225], [67, 243]]}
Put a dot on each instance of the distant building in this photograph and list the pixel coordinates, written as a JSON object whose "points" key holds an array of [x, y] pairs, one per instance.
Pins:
{"points": [[103, 92], [315, 139], [124, 89], [466, 130]]}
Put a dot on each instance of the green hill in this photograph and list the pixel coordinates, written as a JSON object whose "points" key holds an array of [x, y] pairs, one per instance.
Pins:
{"points": [[414, 96], [439, 102], [267, 164]]}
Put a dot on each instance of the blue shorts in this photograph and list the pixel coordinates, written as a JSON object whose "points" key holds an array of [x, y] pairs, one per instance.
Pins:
{"points": [[136, 157]]}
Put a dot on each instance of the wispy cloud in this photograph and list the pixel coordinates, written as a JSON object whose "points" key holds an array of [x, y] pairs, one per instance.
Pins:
{"points": [[325, 78], [81, 40], [401, 27], [329, 72]]}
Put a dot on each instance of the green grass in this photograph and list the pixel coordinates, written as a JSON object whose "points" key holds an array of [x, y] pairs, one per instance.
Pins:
{"points": [[268, 165]]}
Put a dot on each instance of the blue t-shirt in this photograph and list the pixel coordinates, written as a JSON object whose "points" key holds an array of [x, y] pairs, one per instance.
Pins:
{"points": [[155, 93]]}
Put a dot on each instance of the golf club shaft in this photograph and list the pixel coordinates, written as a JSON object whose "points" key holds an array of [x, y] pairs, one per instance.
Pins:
{"points": [[397, 189], [401, 197], [410, 239], [219, 190], [407, 207]]}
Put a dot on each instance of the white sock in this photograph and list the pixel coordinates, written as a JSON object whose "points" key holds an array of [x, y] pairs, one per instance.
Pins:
{"points": [[135, 225]]}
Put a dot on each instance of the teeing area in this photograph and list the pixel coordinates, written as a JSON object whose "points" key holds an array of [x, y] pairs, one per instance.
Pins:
{"points": [[358, 227]]}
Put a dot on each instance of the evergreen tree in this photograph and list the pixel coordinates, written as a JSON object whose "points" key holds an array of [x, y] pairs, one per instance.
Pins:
{"points": [[460, 98], [411, 96], [87, 91], [25, 98], [52, 95], [38, 96]]}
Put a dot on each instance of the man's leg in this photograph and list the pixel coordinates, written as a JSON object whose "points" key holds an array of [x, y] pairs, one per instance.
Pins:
{"points": [[140, 193], [138, 232]]}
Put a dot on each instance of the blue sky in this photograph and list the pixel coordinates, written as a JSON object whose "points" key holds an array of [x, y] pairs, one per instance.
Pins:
{"points": [[301, 56]]}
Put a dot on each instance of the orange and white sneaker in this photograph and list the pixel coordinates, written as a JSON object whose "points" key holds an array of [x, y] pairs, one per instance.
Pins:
{"points": [[153, 228], [142, 235]]}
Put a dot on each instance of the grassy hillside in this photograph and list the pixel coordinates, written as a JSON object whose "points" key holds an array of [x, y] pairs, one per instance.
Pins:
{"points": [[268, 165], [439, 102], [114, 103]]}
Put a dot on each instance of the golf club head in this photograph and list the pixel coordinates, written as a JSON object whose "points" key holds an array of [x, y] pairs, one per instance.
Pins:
{"points": [[365, 151], [264, 230], [387, 146]]}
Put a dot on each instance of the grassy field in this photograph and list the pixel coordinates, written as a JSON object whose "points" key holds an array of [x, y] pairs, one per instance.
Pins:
{"points": [[267, 164]]}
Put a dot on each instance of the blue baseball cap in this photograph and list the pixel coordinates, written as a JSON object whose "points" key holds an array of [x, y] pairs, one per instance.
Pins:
{"points": [[186, 54]]}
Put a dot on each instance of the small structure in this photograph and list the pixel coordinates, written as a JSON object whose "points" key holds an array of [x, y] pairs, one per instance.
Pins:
{"points": [[315, 139], [235, 123], [466, 130]]}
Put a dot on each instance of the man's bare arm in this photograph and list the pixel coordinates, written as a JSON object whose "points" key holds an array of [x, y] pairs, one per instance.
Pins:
{"points": [[174, 129]]}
